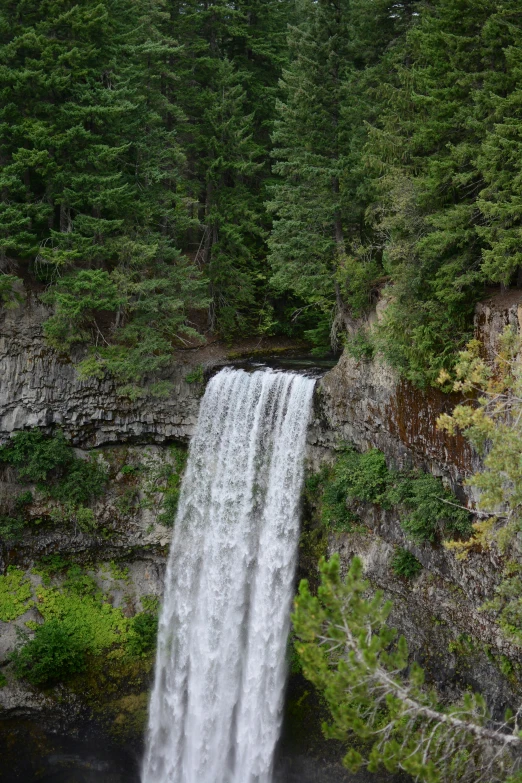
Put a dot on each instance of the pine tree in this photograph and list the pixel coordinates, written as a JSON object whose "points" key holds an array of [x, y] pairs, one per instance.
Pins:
{"points": [[229, 69], [320, 202], [91, 178], [499, 107], [309, 140], [378, 701], [426, 153]]}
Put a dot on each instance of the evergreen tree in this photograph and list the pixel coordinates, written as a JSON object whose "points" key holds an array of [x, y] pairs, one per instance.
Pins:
{"points": [[499, 105], [319, 204], [309, 234], [380, 700], [430, 169], [90, 181], [230, 67]]}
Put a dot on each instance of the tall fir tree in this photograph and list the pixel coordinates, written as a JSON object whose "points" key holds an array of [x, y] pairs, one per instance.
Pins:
{"points": [[230, 67], [499, 107], [430, 171], [91, 183], [319, 203]]}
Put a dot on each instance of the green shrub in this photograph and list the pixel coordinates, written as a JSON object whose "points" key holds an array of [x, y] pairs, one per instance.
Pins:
{"points": [[36, 456], [13, 522], [53, 655], [49, 566], [9, 296], [429, 508], [353, 476], [81, 606], [83, 482], [172, 490], [143, 632], [196, 375], [80, 582], [11, 527], [79, 624], [364, 476], [51, 464], [360, 346], [405, 564], [150, 603], [3, 680], [432, 508]]}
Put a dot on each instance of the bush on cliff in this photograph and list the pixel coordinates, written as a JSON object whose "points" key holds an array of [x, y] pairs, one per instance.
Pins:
{"points": [[143, 631], [53, 655], [427, 508], [50, 463]]}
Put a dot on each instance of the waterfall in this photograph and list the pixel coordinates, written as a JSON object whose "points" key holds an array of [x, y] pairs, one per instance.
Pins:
{"points": [[215, 710]]}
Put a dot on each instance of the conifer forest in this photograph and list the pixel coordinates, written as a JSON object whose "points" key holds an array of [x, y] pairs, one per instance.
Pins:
{"points": [[172, 170]]}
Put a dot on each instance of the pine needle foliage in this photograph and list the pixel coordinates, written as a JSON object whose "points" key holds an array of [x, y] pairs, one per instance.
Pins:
{"points": [[379, 703]]}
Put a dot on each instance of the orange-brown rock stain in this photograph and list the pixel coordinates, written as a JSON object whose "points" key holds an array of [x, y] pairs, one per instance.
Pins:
{"points": [[412, 417]]}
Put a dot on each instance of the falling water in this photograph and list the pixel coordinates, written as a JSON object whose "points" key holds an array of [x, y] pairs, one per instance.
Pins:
{"points": [[215, 710]]}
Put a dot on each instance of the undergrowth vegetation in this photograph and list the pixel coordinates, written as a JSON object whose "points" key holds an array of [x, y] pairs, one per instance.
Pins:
{"points": [[80, 629], [61, 488], [15, 594], [428, 509], [50, 464], [405, 564]]}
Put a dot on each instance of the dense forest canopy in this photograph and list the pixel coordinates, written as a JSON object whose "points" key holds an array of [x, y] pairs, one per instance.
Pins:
{"points": [[172, 169]]}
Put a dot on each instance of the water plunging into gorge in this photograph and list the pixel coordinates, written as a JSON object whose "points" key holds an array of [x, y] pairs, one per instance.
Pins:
{"points": [[215, 710]]}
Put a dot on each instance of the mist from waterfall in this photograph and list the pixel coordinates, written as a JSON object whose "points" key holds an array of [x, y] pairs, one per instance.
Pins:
{"points": [[215, 711]]}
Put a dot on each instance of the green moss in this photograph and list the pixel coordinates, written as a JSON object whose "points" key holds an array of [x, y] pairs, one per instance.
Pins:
{"points": [[3, 680], [15, 594]]}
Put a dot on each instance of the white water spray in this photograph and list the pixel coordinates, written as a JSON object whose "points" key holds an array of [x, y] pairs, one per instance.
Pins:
{"points": [[215, 711]]}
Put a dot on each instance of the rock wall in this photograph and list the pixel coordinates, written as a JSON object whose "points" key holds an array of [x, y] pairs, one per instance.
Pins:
{"points": [[361, 402], [440, 612], [41, 388], [366, 403]]}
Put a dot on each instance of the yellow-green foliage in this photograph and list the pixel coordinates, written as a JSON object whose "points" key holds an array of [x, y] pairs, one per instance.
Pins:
{"points": [[15, 594], [492, 421], [87, 642], [94, 621]]}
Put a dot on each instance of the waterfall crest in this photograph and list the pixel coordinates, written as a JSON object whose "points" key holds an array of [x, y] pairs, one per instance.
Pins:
{"points": [[215, 710]]}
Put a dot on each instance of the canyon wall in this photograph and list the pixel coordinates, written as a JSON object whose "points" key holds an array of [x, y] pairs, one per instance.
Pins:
{"points": [[358, 401]]}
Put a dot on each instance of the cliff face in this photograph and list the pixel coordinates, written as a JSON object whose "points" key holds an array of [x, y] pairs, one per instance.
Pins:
{"points": [[40, 388], [440, 612], [359, 402]]}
